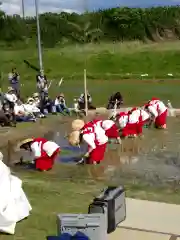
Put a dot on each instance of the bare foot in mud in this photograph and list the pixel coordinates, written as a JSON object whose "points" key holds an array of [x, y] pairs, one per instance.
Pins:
{"points": [[141, 136]]}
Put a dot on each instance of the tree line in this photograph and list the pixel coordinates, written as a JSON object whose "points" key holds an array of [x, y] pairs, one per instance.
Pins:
{"points": [[116, 24]]}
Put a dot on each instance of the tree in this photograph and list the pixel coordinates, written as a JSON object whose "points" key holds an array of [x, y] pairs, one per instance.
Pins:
{"points": [[85, 33]]}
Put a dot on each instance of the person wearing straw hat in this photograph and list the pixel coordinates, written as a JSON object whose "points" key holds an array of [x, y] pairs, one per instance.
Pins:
{"points": [[10, 95], [44, 152], [36, 98], [94, 136], [32, 109]]}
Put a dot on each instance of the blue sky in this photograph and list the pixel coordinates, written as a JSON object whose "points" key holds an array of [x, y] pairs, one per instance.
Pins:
{"points": [[14, 6]]}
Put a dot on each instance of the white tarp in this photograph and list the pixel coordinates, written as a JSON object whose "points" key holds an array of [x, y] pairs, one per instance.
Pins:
{"points": [[14, 206]]}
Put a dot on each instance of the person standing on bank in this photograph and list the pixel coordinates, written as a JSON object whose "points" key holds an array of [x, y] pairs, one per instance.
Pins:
{"points": [[14, 80], [42, 84]]}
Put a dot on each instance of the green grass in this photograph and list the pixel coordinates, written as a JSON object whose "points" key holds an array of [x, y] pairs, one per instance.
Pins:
{"points": [[69, 190], [112, 62], [101, 60]]}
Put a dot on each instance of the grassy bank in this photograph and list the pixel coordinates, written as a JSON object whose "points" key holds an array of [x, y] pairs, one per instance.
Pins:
{"points": [[69, 190], [120, 64]]}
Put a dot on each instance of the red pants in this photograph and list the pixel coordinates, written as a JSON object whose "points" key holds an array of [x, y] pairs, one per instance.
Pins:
{"points": [[130, 129], [140, 126], [46, 163], [161, 120], [97, 155], [112, 132]]}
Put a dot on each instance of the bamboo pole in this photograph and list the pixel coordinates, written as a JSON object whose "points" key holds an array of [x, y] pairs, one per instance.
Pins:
{"points": [[85, 93]]}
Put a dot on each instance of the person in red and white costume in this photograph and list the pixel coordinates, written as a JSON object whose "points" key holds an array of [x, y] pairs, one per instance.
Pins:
{"points": [[132, 127], [44, 152], [110, 128], [122, 120], [131, 122], [142, 117], [95, 138], [159, 112]]}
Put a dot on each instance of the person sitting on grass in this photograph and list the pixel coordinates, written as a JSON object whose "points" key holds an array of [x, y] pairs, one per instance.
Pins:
{"points": [[81, 102], [36, 98], [115, 98], [11, 96], [47, 105], [32, 109], [21, 114], [44, 152], [60, 104]]}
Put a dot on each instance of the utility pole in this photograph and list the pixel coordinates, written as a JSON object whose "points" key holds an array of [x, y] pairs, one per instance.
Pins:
{"points": [[85, 5], [23, 9], [85, 92], [38, 35]]}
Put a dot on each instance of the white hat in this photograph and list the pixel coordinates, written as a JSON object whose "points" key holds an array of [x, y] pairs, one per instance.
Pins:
{"points": [[77, 124], [35, 95], [73, 138], [10, 89], [30, 100], [1, 156]]}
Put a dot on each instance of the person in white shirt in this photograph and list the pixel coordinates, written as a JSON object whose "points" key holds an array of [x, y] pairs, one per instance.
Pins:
{"points": [[21, 114], [10, 95], [31, 108], [94, 136], [60, 104], [44, 152], [36, 99], [42, 87], [159, 112], [8, 105]]}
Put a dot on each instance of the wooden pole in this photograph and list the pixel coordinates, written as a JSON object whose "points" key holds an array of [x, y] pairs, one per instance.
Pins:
{"points": [[85, 93]]}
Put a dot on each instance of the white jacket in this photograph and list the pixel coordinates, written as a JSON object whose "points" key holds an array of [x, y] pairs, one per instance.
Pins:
{"points": [[11, 97], [14, 206], [31, 108]]}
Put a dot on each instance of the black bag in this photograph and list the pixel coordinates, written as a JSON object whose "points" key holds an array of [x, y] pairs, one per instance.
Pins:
{"points": [[112, 203]]}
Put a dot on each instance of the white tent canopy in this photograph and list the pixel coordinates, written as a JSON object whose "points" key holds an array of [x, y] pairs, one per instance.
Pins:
{"points": [[14, 206]]}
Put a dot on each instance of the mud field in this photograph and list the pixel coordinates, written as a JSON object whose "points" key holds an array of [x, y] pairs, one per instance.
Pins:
{"points": [[154, 159]]}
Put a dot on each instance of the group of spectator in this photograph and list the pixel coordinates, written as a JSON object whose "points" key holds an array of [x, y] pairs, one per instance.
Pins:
{"points": [[14, 109]]}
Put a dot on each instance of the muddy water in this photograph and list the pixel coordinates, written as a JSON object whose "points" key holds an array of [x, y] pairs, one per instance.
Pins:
{"points": [[154, 159], [158, 157]]}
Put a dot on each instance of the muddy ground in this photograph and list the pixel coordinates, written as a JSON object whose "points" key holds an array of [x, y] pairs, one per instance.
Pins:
{"points": [[155, 159]]}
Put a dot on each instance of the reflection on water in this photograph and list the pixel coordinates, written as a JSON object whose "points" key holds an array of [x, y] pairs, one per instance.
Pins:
{"points": [[70, 153]]}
